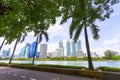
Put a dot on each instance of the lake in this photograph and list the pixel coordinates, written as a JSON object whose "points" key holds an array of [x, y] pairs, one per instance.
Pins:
{"points": [[71, 63]]}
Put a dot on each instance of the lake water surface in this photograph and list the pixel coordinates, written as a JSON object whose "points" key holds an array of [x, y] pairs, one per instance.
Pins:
{"points": [[71, 63]]}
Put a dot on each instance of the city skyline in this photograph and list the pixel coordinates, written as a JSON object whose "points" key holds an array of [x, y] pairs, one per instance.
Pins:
{"points": [[74, 49], [109, 35]]}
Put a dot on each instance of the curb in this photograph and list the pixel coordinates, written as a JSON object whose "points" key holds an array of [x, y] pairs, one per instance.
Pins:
{"points": [[86, 73]]}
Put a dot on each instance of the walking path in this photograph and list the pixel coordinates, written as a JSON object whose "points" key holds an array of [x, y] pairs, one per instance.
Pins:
{"points": [[22, 74]]}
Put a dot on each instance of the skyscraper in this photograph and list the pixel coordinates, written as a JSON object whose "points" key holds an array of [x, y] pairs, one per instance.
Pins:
{"points": [[22, 54], [78, 45], [6, 53], [61, 49], [60, 44], [43, 50], [73, 48], [68, 48], [32, 49], [27, 50]]}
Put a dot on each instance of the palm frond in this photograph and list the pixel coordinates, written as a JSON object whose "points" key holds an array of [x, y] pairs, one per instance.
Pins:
{"points": [[78, 31], [73, 26], [8, 41], [23, 37], [39, 37], [18, 39], [95, 30], [45, 35]]}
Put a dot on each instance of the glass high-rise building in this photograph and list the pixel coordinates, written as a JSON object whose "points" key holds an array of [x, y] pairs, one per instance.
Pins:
{"points": [[61, 49], [73, 48], [68, 48], [32, 49], [6, 53], [78, 45], [60, 44], [22, 55], [27, 50]]}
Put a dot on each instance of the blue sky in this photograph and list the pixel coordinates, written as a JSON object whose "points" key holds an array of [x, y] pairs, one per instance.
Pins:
{"points": [[109, 35]]}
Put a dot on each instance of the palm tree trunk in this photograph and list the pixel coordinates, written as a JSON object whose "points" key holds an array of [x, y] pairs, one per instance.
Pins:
{"points": [[90, 64], [35, 51], [2, 44], [13, 51]]}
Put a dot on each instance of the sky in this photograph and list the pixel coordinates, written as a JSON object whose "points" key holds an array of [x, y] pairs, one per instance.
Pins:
{"points": [[109, 35]]}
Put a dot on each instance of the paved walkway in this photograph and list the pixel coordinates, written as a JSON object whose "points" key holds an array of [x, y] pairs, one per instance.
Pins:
{"points": [[21, 74]]}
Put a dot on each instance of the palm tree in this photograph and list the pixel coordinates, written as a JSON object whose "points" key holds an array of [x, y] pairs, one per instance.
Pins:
{"points": [[38, 40], [84, 13], [2, 44], [13, 51], [16, 42], [77, 30], [90, 64]]}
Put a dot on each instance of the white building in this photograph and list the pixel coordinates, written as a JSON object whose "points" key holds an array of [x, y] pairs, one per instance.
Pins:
{"points": [[79, 54], [60, 52], [43, 50], [50, 54], [53, 54]]}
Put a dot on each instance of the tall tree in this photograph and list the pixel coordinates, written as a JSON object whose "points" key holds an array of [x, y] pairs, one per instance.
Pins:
{"points": [[13, 52], [38, 40], [84, 14], [109, 54], [20, 39], [27, 15], [2, 44]]}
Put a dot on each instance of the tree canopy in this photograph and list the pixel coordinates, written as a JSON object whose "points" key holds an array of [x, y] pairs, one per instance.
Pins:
{"points": [[90, 10], [109, 54], [22, 16], [26, 16]]}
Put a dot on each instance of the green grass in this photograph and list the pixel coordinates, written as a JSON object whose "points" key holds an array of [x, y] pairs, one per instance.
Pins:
{"points": [[45, 65], [56, 59], [62, 66], [105, 68]]}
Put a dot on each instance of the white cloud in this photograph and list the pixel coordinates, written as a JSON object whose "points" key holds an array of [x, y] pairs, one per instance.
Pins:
{"points": [[55, 30], [99, 50], [113, 41], [111, 44], [116, 10], [31, 33], [115, 14], [52, 47]]}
